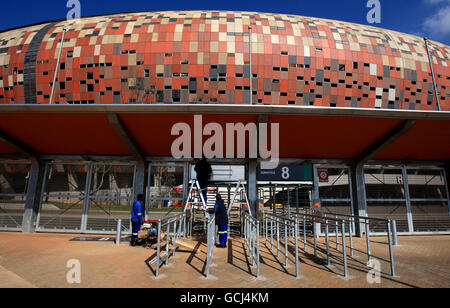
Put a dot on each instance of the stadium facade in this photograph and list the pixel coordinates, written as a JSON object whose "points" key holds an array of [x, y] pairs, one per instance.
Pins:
{"points": [[367, 107]]}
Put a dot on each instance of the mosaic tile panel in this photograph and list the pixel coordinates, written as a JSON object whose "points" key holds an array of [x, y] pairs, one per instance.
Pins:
{"points": [[181, 57]]}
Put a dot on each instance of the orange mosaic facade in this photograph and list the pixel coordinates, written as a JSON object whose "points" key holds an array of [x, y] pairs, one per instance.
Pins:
{"points": [[198, 57]]}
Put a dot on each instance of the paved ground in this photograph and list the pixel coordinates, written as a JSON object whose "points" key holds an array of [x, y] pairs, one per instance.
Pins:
{"points": [[40, 260]]}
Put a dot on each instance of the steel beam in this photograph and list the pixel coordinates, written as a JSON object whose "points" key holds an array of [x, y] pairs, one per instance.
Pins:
{"points": [[129, 141], [124, 135], [384, 142], [18, 145], [436, 93], [225, 109]]}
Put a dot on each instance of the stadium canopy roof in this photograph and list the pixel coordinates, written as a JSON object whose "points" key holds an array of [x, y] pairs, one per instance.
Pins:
{"points": [[305, 132]]}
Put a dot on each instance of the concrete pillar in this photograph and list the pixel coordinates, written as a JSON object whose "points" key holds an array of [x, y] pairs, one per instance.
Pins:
{"points": [[252, 186], [359, 196], [139, 185], [33, 196]]}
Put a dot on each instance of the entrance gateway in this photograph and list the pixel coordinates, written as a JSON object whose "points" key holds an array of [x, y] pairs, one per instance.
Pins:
{"points": [[87, 197]]}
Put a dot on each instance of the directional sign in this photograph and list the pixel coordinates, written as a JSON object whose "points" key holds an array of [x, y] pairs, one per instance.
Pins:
{"points": [[286, 173]]}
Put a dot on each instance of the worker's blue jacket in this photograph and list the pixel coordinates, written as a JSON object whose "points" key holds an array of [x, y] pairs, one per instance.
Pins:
{"points": [[221, 213], [137, 212]]}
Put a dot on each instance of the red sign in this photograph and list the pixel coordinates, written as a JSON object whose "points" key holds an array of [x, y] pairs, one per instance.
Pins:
{"points": [[323, 175]]}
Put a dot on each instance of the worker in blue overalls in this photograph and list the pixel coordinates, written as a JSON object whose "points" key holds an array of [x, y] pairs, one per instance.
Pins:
{"points": [[137, 218], [221, 221]]}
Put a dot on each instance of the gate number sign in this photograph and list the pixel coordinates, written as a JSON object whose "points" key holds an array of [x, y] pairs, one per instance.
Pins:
{"points": [[323, 175]]}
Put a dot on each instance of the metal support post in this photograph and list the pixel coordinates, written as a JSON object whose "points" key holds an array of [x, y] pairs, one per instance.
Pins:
{"points": [[257, 250], [271, 234], [368, 241], [344, 249], [297, 274], [285, 244], [304, 233], [350, 232], [278, 237], [391, 252], [167, 242], [158, 248], [337, 234], [394, 232], [119, 231], [315, 238], [327, 242], [174, 240]]}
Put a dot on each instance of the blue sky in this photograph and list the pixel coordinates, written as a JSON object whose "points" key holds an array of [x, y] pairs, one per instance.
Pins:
{"points": [[430, 18]]}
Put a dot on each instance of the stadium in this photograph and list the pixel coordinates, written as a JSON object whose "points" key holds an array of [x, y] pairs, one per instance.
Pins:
{"points": [[87, 111]]}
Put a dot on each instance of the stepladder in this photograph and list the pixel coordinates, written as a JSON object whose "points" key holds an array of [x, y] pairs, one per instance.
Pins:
{"points": [[197, 207], [237, 206]]}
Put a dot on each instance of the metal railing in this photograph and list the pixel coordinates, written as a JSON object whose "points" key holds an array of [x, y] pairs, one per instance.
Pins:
{"points": [[211, 240], [174, 227], [306, 218], [339, 222], [251, 235], [289, 224], [391, 234]]}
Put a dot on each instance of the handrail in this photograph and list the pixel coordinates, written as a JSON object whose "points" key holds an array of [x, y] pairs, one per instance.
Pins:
{"points": [[211, 240], [251, 235], [174, 220], [289, 225], [390, 224]]}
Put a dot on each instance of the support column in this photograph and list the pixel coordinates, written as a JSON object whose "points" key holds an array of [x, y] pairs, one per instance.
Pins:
{"points": [[139, 187], [447, 180], [359, 196], [33, 195], [357, 169], [447, 176], [252, 186]]}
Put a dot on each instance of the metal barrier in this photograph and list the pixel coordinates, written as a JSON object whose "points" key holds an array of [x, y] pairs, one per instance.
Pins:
{"points": [[251, 235], [391, 234], [175, 224], [339, 224], [289, 224], [336, 222], [211, 241]]}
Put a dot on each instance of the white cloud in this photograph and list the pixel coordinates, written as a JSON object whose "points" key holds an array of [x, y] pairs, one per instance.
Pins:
{"points": [[438, 25], [435, 1]]}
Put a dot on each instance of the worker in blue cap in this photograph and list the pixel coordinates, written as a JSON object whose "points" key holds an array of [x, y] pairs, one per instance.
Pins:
{"points": [[137, 218], [221, 221]]}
